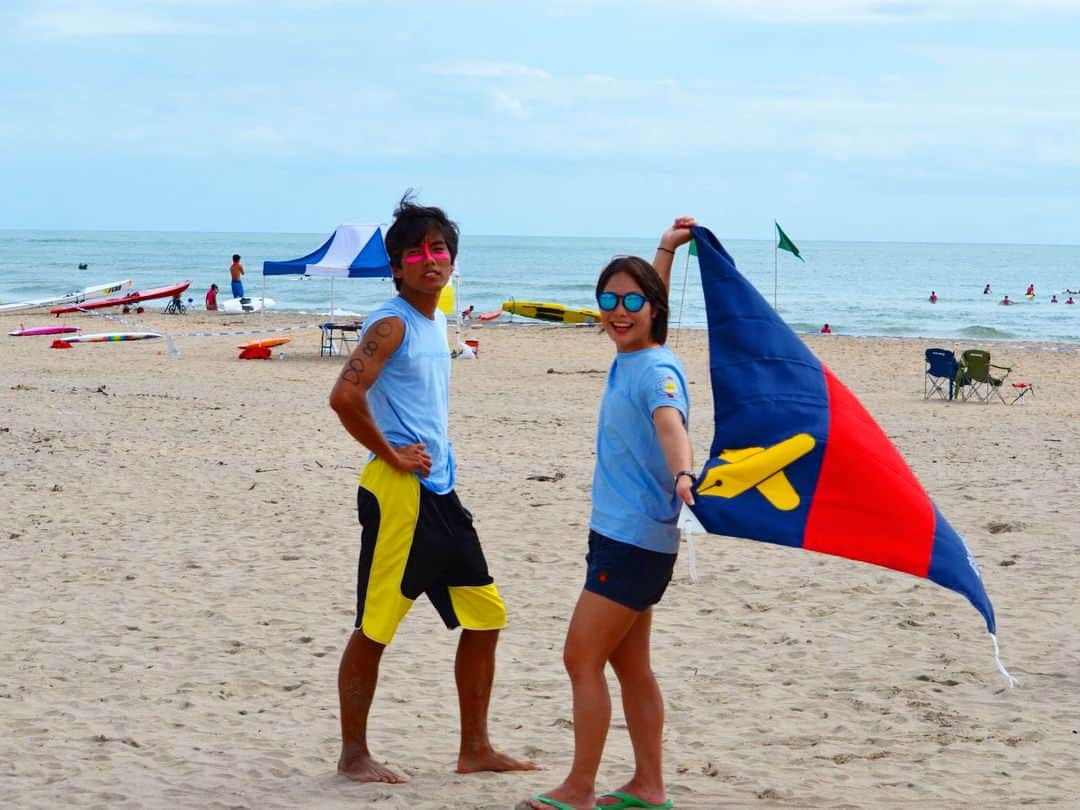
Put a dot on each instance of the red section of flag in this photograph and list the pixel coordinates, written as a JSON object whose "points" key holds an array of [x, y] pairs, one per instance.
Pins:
{"points": [[867, 505]]}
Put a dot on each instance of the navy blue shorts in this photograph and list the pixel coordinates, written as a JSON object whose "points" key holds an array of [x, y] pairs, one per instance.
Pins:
{"points": [[632, 576]]}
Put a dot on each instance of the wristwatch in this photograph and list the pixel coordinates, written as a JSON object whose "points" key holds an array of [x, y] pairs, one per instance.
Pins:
{"points": [[680, 474]]}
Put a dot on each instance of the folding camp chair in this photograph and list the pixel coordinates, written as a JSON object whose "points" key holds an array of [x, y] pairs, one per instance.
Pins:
{"points": [[976, 376], [1021, 390], [940, 374]]}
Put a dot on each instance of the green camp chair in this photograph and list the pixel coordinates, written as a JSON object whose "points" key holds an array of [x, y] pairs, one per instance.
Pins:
{"points": [[975, 377]]}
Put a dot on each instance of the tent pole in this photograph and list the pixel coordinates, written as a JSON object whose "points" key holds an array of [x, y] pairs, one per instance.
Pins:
{"points": [[262, 304], [331, 299]]}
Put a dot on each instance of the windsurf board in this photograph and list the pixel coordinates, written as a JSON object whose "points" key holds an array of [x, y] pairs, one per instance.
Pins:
{"points": [[95, 291]]}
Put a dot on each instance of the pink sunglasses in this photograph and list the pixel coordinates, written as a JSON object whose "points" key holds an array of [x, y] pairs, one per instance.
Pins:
{"points": [[439, 255]]}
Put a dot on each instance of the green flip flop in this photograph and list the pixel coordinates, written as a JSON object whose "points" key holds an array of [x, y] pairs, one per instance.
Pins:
{"points": [[540, 797], [628, 800]]}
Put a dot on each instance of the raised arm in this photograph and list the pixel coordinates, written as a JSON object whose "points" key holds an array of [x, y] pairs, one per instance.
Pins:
{"points": [[349, 397], [677, 234]]}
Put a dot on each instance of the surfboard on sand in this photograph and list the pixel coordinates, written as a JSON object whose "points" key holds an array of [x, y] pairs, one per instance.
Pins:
{"points": [[267, 343], [245, 304], [123, 300], [44, 330], [104, 337], [85, 294]]}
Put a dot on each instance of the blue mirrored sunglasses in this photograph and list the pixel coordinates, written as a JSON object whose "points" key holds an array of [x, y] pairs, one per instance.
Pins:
{"points": [[632, 302]]}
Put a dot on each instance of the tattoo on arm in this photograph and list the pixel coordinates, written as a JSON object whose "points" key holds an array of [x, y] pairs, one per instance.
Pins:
{"points": [[353, 371]]}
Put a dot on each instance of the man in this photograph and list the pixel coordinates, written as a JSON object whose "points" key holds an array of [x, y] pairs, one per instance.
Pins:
{"points": [[235, 272], [393, 398]]}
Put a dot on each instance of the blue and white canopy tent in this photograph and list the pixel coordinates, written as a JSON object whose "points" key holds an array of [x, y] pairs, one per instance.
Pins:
{"points": [[352, 251]]}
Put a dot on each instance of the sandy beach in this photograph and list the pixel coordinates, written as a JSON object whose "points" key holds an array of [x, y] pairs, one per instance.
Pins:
{"points": [[179, 563]]}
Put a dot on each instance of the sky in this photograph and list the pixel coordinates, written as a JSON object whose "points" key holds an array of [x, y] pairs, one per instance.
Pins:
{"points": [[875, 120]]}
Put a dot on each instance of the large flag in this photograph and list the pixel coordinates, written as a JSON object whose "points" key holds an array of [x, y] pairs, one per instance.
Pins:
{"points": [[785, 243], [797, 460]]}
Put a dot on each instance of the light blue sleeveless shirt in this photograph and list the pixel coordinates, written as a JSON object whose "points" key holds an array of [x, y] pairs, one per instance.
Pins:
{"points": [[410, 400], [633, 496]]}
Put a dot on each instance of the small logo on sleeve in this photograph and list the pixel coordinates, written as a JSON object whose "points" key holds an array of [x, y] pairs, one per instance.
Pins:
{"points": [[668, 387]]}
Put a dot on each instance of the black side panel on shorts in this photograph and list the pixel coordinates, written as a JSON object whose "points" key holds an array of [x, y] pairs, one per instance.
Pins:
{"points": [[367, 508]]}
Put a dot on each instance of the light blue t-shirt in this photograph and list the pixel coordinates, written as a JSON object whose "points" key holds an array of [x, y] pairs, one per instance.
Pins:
{"points": [[633, 496], [410, 400]]}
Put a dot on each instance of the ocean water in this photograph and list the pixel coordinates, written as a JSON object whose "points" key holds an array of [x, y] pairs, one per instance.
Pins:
{"points": [[859, 288]]}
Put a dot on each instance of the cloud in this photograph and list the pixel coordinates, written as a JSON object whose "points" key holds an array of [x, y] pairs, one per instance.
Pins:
{"points": [[509, 104], [490, 70], [841, 11], [70, 22]]}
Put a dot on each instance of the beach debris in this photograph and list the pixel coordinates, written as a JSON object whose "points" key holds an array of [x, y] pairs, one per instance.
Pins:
{"points": [[558, 476]]}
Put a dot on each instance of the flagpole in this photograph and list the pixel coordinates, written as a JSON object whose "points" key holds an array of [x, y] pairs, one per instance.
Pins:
{"points": [[682, 303], [775, 267]]}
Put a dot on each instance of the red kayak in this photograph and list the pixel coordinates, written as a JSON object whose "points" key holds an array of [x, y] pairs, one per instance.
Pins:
{"points": [[130, 298]]}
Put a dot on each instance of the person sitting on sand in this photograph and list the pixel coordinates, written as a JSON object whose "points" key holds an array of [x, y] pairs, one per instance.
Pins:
{"points": [[211, 298], [393, 398], [643, 476]]}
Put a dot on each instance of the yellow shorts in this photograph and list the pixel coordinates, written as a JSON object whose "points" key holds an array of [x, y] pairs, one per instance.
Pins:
{"points": [[414, 541]]}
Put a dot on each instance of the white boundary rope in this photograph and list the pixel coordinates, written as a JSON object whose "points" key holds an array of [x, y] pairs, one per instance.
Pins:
{"points": [[171, 347]]}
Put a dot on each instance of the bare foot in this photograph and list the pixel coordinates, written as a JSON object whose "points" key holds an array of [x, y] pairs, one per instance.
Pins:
{"points": [[492, 760], [365, 769]]}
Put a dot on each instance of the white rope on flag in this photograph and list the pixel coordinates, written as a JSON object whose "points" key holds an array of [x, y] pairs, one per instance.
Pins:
{"points": [[1001, 667]]}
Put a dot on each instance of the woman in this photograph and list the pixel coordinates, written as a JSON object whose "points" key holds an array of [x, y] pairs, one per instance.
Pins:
{"points": [[643, 476]]}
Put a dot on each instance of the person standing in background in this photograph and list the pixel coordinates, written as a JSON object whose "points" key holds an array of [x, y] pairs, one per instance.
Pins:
{"points": [[236, 271]]}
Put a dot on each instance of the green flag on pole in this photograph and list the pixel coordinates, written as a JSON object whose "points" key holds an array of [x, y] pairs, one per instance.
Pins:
{"points": [[787, 244]]}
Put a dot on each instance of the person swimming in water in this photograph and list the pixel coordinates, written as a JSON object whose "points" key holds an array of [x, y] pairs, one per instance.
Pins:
{"points": [[1005, 301], [1030, 290], [986, 290], [826, 330], [1053, 299], [933, 297]]}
